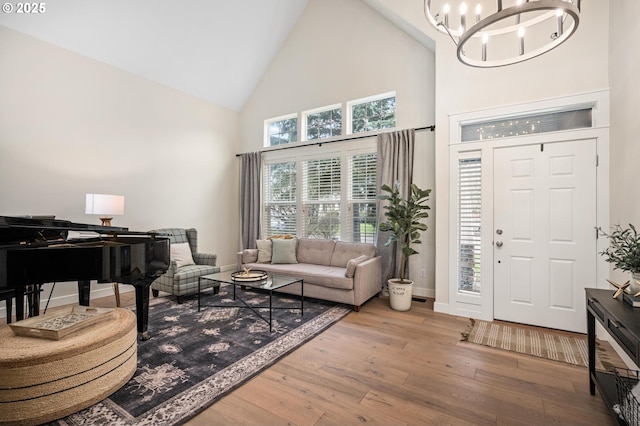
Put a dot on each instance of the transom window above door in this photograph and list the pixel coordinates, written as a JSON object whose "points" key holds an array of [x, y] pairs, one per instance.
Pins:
{"points": [[520, 125]]}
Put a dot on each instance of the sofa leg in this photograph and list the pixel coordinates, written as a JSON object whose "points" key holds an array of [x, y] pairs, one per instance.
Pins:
{"points": [[155, 292], [179, 300], [216, 289], [356, 308]]}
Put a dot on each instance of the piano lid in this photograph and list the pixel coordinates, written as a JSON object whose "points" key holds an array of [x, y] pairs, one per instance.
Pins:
{"points": [[25, 229]]}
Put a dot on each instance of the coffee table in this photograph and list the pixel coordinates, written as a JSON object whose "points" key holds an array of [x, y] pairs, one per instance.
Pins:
{"points": [[268, 283]]}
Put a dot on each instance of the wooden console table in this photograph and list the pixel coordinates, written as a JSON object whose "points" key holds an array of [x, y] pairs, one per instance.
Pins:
{"points": [[622, 322]]}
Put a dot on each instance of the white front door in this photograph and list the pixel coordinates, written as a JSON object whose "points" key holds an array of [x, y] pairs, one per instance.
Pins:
{"points": [[544, 233]]}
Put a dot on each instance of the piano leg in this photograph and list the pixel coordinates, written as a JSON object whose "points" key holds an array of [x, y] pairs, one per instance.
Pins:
{"points": [[142, 309], [84, 290], [33, 297], [19, 295]]}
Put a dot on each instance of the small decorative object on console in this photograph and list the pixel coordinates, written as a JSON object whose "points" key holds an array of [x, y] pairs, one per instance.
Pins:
{"points": [[620, 288]]}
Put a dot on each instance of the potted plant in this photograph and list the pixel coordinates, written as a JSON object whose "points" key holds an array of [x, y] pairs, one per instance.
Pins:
{"points": [[624, 253], [404, 222]]}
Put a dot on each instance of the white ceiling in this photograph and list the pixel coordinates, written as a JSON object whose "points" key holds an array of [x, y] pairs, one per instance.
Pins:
{"points": [[213, 49]]}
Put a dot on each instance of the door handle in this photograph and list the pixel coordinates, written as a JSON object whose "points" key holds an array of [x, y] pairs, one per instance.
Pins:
{"points": [[499, 243]]}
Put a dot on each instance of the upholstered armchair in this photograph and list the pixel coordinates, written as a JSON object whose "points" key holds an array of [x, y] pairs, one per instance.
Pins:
{"points": [[187, 264]]}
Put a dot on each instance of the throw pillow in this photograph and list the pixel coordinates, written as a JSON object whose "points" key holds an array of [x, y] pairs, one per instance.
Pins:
{"points": [[284, 251], [351, 265], [264, 251], [181, 253], [250, 256]]}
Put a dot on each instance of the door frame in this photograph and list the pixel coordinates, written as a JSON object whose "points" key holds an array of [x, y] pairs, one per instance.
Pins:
{"points": [[481, 305]]}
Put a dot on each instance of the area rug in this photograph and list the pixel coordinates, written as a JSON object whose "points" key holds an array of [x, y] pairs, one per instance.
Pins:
{"points": [[570, 348], [194, 358]]}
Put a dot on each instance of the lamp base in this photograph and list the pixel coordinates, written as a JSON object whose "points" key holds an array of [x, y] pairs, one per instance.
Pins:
{"points": [[106, 221]]}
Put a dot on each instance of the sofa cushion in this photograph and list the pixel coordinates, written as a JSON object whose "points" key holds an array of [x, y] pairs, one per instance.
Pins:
{"points": [[327, 276], [181, 253], [344, 252], [264, 251], [316, 251], [283, 251], [351, 265], [249, 255]]}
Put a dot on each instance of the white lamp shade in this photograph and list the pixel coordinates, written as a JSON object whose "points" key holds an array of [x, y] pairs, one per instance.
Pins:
{"points": [[110, 205]]}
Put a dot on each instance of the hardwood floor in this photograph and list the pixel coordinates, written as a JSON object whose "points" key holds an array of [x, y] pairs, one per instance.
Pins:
{"points": [[380, 366]]}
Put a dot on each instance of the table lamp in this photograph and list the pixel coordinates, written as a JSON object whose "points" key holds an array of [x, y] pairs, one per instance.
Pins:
{"points": [[105, 205]]}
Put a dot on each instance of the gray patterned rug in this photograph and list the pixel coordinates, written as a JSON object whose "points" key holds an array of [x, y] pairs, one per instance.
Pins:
{"points": [[194, 358]]}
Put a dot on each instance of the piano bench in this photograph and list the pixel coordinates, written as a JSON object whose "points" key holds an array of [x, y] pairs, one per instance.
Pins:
{"points": [[44, 380]]}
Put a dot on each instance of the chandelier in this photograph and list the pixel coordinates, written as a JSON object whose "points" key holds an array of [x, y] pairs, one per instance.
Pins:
{"points": [[499, 33]]}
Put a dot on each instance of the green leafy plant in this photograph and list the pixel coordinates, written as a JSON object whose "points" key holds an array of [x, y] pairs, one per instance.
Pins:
{"points": [[624, 248], [404, 218]]}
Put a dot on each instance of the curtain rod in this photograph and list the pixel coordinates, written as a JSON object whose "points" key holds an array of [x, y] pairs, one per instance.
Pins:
{"points": [[432, 128]]}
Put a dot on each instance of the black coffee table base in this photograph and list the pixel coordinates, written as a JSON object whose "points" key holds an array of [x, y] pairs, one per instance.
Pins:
{"points": [[265, 286]]}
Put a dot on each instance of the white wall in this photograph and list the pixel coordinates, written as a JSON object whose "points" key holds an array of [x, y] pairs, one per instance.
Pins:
{"points": [[577, 66], [70, 125], [624, 69], [342, 50]]}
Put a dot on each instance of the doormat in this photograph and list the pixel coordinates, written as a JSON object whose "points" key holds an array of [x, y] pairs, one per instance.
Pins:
{"points": [[563, 346], [194, 358]]}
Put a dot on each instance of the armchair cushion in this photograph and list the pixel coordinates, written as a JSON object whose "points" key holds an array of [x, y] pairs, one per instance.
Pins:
{"points": [[181, 253]]}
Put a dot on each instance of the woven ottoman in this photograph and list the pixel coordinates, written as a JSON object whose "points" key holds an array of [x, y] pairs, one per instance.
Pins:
{"points": [[42, 380]]}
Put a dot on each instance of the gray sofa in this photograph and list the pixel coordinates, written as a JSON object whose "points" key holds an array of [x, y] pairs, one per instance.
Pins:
{"points": [[349, 273]]}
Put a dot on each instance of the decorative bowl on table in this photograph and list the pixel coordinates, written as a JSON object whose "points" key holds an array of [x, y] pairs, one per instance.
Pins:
{"points": [[249, 276]]}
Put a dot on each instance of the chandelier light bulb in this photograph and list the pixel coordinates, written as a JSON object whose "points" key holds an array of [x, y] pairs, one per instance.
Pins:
{"points": [[485, 39], [560, 30], [445, 11], [521, 35], [478, 11]]}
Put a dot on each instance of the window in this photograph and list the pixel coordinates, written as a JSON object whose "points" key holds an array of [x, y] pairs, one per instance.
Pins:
{"points": [[282, 131], [324, 124], [321, 198], [469, 222], [527, 124], [362, 198], [373, 114], [280, 198], [331, 197]]}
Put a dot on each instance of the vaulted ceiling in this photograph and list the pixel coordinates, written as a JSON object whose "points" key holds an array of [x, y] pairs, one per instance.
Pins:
{"points": [[213, 49]]}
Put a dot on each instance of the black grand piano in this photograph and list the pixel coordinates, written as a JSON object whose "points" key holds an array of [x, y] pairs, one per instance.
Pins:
{"points": [[34, 251]]}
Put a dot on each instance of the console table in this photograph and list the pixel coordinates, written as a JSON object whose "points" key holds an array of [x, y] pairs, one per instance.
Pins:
{"points": [[622, 322]]}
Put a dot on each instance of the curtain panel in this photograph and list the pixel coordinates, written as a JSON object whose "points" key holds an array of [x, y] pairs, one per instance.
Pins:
{"points": [[251, 171], [394, 164]]}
